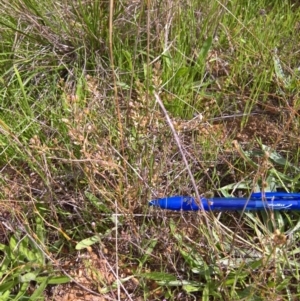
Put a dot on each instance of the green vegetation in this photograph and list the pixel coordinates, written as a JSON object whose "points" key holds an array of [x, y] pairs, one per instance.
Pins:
{"points": [[85, 144]]}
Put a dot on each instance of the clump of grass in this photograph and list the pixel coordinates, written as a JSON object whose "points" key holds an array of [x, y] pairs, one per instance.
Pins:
{"points": [[84, 146]]}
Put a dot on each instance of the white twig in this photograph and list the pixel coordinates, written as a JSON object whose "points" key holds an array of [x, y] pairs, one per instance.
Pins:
{"points": [[177, 139], [117, 256]]}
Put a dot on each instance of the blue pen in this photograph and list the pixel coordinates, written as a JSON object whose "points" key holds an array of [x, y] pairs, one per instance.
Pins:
{"points": [[256, 201]]}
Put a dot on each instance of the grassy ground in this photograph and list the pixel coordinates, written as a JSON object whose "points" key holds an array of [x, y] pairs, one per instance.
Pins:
{"points": [[85, 143]]}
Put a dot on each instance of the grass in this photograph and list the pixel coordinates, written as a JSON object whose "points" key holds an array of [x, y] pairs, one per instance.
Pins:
{"points": [[105, 106]]}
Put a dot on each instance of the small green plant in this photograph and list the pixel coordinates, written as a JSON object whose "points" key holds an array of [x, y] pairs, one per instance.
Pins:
{"points": [[25, 269]]}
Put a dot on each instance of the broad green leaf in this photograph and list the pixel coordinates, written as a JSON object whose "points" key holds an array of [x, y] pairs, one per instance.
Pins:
{"points": [[246, 185], [123, 85], [159, 276], [194, 260], [280, 176], [27, 277], [25, 252], [4, 265], [38, 293], [256, 264], [152, 244], [107, 289], [40, 232], [270, 184], [295, 251], [22, 290], [178, 283], [205, 294], [40, 229], [174, 231], [246, 155], [87, 242], [53, 279], [277, 158], [13, 243], [4, 296], [148, 251], [3, 247], [192, 288], [96, 202], [13, 247], [58, 279], [8, 285], [92, 240]]}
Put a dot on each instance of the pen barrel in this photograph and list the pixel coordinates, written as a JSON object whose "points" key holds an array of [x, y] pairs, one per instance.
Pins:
{"points": [[274, 201], [223, 204]]}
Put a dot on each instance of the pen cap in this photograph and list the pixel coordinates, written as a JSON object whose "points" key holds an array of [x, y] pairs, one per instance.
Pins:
{"points": [[176, 202]]}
